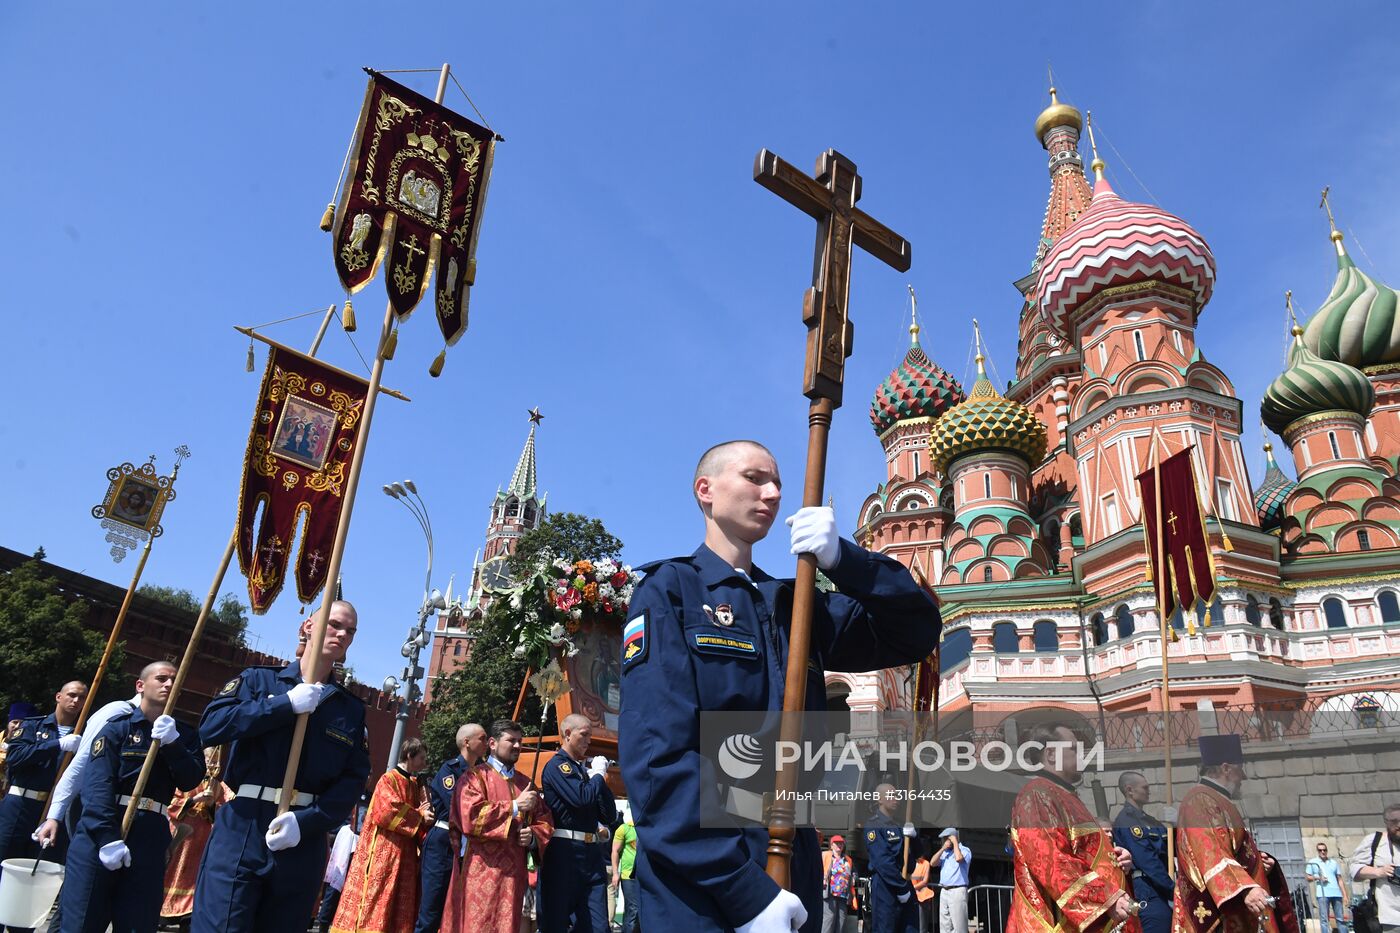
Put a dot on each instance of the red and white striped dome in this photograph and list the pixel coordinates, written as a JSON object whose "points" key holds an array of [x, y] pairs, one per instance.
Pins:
{"points": [[1117, 242]]}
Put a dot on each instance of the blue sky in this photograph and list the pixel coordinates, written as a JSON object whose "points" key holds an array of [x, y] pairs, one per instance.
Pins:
{"points": [[166, 166]]}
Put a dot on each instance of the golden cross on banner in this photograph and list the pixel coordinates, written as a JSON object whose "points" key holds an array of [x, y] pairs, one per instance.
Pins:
{"points": [[831, 198], [411, 246], [1171, 520]]}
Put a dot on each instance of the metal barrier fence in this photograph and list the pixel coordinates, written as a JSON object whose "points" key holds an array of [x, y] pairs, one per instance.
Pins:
{"points": [[988, 906]]}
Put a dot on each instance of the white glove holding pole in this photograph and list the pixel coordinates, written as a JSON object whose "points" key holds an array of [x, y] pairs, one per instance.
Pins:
{"points": [[814, 532], [599, 765], [164, 730], [69, 743], [910, 831], [784, 914], [283, 833], [306, 697], [114, 855]]}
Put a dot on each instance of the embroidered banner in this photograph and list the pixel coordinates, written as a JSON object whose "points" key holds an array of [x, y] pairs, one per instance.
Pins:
{"points": [[298, 456], [413, 199], [1183, 570]]}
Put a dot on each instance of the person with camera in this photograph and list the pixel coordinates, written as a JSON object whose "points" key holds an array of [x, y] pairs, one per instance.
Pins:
{"points": [[1374, 861]]}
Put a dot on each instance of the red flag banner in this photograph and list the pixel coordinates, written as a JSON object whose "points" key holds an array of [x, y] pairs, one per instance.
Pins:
{"points": [[1183, 570], [298, 456], [927, 673], [413, 198]]}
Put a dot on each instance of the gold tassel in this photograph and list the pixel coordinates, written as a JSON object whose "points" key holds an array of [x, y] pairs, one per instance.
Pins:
{"points": [[1225, 538], [1205, 621], [249, 365], [1175, 636], [391, 343], [328, 217], [440, 361], [347, 319]]}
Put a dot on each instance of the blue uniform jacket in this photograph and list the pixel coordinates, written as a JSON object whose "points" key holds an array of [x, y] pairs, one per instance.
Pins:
{"points": [[444, 783], [1146, 838], [118, 753], [884, 849], [252, 712], [579, 803], [703, 637], [32, 757]]}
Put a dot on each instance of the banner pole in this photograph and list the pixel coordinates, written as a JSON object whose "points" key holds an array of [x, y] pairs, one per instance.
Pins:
{"points": [[1160, 583], [310, 660], [197, 634]]}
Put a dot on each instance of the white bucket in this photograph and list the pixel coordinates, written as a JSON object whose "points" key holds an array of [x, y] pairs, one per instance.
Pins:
{"points": [[27, 895]]}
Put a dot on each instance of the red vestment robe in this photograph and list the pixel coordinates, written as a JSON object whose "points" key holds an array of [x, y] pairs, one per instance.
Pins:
{"points": [[381, 886], [1065, 871], [488, 886], [1216, 861], [183, 867]]}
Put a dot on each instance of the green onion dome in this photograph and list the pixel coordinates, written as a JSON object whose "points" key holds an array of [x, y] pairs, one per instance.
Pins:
{"points": [[1311, 385]]}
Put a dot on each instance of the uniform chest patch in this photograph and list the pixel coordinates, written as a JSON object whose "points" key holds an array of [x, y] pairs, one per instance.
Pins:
{"points": [[634, 639], [448, 781], [870, 836], [566, 768], [1137, 832], [724, 615], [725, 644], [229, 687]]}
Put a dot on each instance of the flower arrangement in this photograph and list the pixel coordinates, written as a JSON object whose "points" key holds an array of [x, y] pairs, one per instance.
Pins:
{"points": [[559, 596]]}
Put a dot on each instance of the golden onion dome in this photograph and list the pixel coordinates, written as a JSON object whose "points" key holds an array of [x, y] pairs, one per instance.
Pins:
{"points": [[1057, 114], [986, 421]]}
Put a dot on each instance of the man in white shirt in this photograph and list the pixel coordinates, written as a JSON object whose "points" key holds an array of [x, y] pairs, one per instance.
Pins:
{"points": [[1381, 869]]}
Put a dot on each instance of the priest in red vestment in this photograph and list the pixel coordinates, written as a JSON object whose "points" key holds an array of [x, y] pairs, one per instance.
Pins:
{"points": [[1069, 875], [191, 823], [497, 818], [1223, 881], [381, 886]]}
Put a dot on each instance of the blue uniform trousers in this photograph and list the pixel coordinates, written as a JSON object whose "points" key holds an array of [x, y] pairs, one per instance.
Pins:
{"points": [[19, 817], [1156, 917], [435, 876], [888, 915], [128, 898], [244, 888], [573, 889]]}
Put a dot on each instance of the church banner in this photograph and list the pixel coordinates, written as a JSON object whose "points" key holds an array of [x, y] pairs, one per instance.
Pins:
{"points": [[298, 456], [1183, 570], [412, 200]]}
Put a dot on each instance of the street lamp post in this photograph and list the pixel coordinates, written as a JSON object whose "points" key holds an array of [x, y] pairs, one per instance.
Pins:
{"points": [[418, 635]]}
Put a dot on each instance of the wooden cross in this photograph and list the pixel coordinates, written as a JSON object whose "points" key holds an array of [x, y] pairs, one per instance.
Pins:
{"points": [[831, 198]]}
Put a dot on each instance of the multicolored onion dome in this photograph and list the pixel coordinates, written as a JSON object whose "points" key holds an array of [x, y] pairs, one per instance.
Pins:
{"points": [[1311, 385], [1270, 496], [1117, 242], [917, 388], [986, 421], [1359, 323]]}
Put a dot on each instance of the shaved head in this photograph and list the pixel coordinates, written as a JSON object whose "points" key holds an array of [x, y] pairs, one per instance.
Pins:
{"points": [[573, 721], [719, 456], [468, 731], [150, 670]]}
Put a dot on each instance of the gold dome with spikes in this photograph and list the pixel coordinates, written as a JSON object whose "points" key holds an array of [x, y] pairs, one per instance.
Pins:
{"points": [[986, 421], [1057, 114]]}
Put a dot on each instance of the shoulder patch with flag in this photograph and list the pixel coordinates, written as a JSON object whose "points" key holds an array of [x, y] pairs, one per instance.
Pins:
{"points": [[634, 639]]}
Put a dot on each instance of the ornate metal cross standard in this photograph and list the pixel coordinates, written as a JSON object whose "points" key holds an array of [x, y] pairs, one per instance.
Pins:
{"points": [[831, 198]]}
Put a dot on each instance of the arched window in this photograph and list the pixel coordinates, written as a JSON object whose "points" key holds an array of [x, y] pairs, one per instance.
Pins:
{"points": [[916, 465], [1251, 612], [1335, 612], [957, 645], [1276, 614], [945, 498], [1137, 344], [1332, 442], [529, 514], [1045, 636], [1363, 539], [987, 574], [1004, 638], [986, 485], [512, 508], [1389, 605], [1125, 621], [1098, 629]]}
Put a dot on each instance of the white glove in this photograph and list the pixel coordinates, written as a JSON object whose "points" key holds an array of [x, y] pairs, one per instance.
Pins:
{"points": [[903, 898], [814, 532], [306, 697], [114, 855], [604, 833], [283, 832], [910, 831], [599, 765], [70, 742], [1169, 815], [164, 730], [784, 914]]}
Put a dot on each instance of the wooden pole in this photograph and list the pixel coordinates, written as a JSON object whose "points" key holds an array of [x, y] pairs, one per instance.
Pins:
{"points": [[187, 661], [310, 660], [101, 670], [781, 826], [1161, 580]]}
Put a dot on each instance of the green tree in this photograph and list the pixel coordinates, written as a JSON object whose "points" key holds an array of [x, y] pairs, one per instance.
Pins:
{"points": [[228, 612], [44, 644], [486, 687]]}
